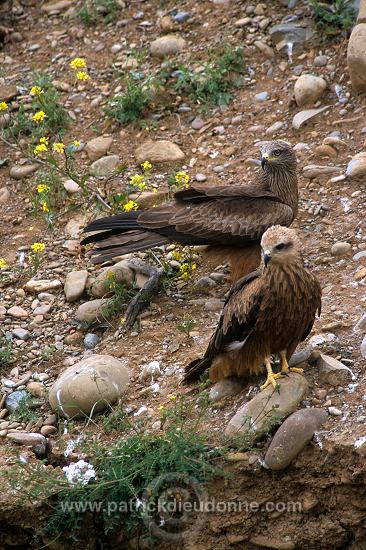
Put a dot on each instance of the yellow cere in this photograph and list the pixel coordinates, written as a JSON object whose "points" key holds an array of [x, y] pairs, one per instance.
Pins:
{"points": [[3, 264], [146, 165], [38, 247], [3, 106], [36, 90], [39, 116], [78, 63], [39, 149], [82, 75], [45, 207], [42, 188], [58, 147], [130, 205], [136, 179], [182, 178]]}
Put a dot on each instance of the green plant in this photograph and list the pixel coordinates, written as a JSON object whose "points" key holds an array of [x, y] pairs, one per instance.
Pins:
{"points": [[48, 194], [186, 325], [116, 421], [5, 352], [92, 10], [131, 105], [24, 411], [335, 19], [211, 83], [121, 295]]}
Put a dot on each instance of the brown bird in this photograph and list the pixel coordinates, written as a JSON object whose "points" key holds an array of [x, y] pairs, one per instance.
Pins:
{"points": [[227, 218], [267, 313]]}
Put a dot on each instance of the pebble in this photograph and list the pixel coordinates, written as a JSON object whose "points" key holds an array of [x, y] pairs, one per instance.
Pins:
{"points": [[75, 284], [292, 436], [262, 96], [23, 171], [119, 273], [42, 285], [104, 166], [98, 147], [4, 195], [332, 371], [200, 177], [150, 371], [320, 61], [116, 48], [275, 127], [334, 411], [13, 399], [197, 123], [308, 89], [90, 311], [224, 388], [159, 151], [204, 284], [341, 248], [36, 389], [17, 312], [48, 430], [21, 333], [167, 45], [91, 340]]}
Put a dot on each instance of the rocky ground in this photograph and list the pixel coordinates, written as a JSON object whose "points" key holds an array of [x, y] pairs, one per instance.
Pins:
{"points": [[54, 319]]}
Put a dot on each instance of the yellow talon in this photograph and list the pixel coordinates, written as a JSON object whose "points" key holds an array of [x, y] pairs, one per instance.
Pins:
{"points": [[285, 369], [271, 376]]}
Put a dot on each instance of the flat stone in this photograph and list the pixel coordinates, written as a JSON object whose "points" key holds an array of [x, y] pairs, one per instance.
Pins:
{"points": [[27, 438], [159, 151], [268, 407], [57, 7], [42, 285], [91, 311], [98, 147], [357, 166], [104, 166], [71, 187], [36, 389], [92, 384], [13, 399], [356, 57], [23, 171], [292, 436], [43, 309], [167, 45], [75, 225], [275, 127], [225, 388], [21, 333], [305, 116], [333, 372], [317, 171], [75, 284], [48, 430], [4, 195], [308, 89], [341, 248], [17, 312], [7, 93], [117, 273], [265, 49]]}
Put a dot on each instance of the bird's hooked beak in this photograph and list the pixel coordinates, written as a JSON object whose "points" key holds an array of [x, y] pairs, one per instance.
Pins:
{"points": [[264, 160], [266, 257]]}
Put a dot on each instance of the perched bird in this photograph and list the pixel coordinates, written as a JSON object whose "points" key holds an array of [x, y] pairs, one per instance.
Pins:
{"points": [[267, 313], [229, 218]]}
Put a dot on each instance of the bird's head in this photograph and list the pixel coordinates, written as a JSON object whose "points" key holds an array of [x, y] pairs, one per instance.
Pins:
{"points": [[277, 154], [280, 244]]}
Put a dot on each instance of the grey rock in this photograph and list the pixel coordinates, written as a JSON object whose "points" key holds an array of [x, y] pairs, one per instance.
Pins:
{"points": [[75, 285], [91, 311], [21, 333], [308, 89], [197, 123], [268, 407], [167, 45], [214, 304], [200, 177], [23, 171], [104, 166], [98, 147], [91, 340], [204, 284], [262, 96], [225, 388], [361, 324], [292, 436], [275, 127], [43, 309], [289, 33], [116, 48], [363, 347], [117, 273], [34, 440], [13, 399], [89, 386], [320, 61], [341, 248], [159, 151], [4, 195], [304, 116], [334, 411], [332, 371]]}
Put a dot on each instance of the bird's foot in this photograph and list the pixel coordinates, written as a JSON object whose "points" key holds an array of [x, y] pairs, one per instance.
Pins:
{"points": [[285, 368], [271, 379], [145, 294]]}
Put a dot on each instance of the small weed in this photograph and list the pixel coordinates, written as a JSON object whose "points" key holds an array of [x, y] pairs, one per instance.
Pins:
{"points": [[334, 20], [186, 325], [48, 194], [24, 412], [5, 353], [121, 295], [47, 353], [116, 421], [92, 10]]}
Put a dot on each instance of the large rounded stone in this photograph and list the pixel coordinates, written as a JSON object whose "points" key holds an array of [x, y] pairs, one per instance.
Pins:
{"points": [[104, 166], [119, 273], [167, 45], [159, 151], [20, 172], [90, 311], [89, 386], [308, 89], [75, 284], [356, 57], [294, 434], [98, 147]]}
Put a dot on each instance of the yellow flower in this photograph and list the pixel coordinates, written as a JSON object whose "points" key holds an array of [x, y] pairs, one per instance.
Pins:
{"points": [[3, 264], [177, 255], [36, 90], [186, 270], [3, 106], [76, 142], [142, 186], [78, 63], [146, 165], [161, 408], [172, 397], [136, 179], [59, 148], [44, 140], [39, 149], [38, 247], [122, 321], [39, 117], [130, 205], [41, 188], [155, 190], [45, 207], [182, 178], [82, 75]]}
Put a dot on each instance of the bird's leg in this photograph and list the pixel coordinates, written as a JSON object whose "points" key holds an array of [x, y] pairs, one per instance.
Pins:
{"points": [[285, 369], [145, 294], [271, 376]]}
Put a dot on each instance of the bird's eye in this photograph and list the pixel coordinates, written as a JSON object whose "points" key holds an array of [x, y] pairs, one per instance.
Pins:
{"points": [[277, 152], [280, 246]]}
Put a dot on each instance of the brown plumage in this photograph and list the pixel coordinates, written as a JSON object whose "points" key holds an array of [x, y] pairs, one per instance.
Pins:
{"points": [[230, 219], [268, 312]]}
